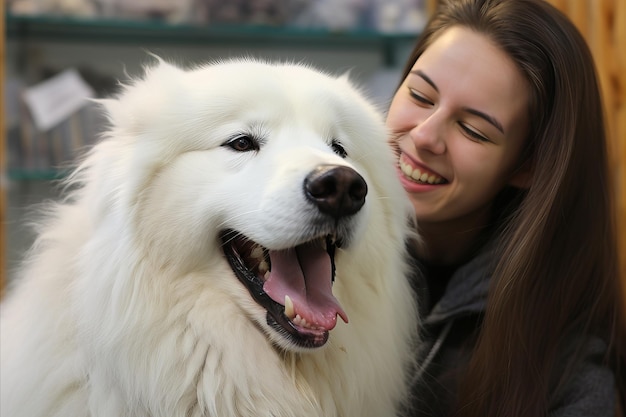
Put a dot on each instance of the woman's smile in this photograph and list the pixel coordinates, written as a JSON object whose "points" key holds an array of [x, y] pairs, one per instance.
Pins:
{"points": [[419, 173]]}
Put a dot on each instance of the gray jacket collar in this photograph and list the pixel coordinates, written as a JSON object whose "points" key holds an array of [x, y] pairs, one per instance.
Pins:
{"points": [[466, 292]]}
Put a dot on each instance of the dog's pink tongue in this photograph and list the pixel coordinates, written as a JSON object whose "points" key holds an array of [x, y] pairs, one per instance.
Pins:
{"points": [[305, 275]]}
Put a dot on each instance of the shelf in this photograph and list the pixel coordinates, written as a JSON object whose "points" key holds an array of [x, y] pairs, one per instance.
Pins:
{"points": [[25, 29], [66, 29]]}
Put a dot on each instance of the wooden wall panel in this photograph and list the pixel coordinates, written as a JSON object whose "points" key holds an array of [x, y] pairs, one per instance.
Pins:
{"points": [[3, 248]]}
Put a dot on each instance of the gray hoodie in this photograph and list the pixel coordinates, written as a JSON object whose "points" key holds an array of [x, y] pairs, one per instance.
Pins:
{"points": [[449, 334]]}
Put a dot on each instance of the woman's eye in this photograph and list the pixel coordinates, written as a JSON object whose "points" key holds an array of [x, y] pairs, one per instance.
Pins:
{"points": [[243, 143], [473, 134], [420, 98]]}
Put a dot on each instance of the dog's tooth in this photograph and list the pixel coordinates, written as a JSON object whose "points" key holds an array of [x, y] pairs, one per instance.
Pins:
{"points": [[289, 311], [299, 321], [257, 252], [266, 276], [263, 267]]}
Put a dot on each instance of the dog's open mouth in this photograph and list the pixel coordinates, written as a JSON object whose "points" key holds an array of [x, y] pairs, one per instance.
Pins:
{"points": [[294, 285]]}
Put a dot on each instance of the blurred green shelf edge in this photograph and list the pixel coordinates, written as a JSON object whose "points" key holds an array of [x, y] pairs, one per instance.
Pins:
{"points": [[36, 175], [51, 28]]}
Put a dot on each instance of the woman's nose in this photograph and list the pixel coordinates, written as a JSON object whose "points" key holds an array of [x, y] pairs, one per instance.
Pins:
{"points": [[429, 134]]}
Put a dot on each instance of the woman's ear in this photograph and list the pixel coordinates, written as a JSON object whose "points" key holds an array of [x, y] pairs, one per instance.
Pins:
{"points": [[522, 177]]}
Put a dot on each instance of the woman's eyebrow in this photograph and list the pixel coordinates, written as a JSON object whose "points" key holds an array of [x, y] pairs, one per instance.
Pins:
{"points": [[426, 78], [489, 119]]}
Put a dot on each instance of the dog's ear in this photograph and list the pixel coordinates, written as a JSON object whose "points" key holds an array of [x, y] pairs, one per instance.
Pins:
{"points": [[159, 64], [129, 110]]}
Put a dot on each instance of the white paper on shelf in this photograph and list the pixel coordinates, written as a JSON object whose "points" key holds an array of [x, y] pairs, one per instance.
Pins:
{"points": [[56, 99]]}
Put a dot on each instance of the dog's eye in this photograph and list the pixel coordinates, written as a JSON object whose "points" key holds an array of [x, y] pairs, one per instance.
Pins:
{"points": [[243, 143], [338, 148]]}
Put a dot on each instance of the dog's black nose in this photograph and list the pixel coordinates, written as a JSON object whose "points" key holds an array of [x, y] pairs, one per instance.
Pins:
{"points": [[336, 190]]}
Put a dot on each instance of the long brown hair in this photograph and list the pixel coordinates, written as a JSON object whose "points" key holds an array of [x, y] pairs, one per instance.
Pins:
{"points": [[556, 278]]}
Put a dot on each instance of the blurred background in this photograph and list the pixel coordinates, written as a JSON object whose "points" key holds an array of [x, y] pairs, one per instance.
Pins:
{"points": [[58, 52]]}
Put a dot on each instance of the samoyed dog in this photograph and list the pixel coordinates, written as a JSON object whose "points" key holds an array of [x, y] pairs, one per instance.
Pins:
{"points": [[234, 246]]}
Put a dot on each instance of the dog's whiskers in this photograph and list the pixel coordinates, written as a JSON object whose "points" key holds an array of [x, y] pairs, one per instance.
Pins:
{"points": [[230, 219]]}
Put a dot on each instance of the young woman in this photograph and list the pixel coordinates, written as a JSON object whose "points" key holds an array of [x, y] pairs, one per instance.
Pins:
{"points": [[501, 144]]}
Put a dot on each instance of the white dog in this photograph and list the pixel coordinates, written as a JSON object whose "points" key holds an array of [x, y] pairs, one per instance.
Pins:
{"points": [[210, 241]]}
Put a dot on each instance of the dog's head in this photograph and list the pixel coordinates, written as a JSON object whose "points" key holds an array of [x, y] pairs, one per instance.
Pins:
{"points": [[270, 168]]}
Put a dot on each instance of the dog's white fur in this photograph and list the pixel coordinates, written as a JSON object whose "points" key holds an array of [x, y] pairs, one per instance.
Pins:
{"points": [[126, 305]]}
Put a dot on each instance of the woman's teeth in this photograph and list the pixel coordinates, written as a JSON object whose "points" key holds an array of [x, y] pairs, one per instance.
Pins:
{"points": [[420, 176]]}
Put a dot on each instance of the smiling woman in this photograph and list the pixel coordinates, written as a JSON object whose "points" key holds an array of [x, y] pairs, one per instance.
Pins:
{"points": [[452, 104], [501, 147]]}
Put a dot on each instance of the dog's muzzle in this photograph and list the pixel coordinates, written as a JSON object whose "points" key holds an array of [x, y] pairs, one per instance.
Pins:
{"points": [[294, 285]]}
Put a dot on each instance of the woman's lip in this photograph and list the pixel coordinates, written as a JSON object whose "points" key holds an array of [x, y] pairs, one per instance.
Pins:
{"points": [[419, 172]]}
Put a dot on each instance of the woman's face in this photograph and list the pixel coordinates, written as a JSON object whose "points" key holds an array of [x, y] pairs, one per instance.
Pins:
{"points": [[459, 121]]}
